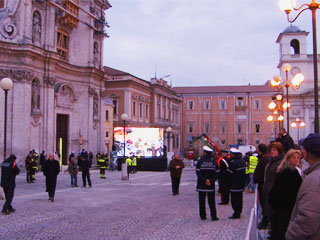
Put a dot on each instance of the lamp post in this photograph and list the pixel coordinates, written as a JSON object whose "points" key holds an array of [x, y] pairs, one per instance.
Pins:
{"points": [[295, 83], [124, 118], [124, 176], [6, 84], [287, 6], [277, 111], [298, 124], [169, 130]]}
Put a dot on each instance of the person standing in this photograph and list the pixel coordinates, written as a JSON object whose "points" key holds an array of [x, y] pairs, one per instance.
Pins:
{"points": [[284, 192], [134, 164], [258, 178], [73, 171], [304, 222], [51, 169], [224, 181], [28, 168], [276, 154], [33, 165], [128, 162], [253, 161], [206, 170], [103, 166], [176, 165], [9, 171], [286, 140], [237, 183], [42, 159], [85, 167]]}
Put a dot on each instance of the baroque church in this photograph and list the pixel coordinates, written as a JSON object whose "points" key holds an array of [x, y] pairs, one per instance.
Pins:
{"points": [[52, 51]]}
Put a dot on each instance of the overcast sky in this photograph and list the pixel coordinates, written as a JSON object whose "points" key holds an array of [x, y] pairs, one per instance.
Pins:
{"points": [[198, 42]]}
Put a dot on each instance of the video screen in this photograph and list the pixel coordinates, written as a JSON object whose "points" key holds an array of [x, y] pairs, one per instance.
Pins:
{"points": [[147, 142]]}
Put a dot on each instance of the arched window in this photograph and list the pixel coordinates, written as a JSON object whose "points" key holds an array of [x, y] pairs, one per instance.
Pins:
{"points": [[36, 27], [296, 46]]}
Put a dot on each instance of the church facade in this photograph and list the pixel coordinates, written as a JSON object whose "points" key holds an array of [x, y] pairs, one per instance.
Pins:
{"points": [[52, 50]]}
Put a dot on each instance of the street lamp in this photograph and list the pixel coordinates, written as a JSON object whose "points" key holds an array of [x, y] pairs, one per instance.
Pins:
{"points": [[287, 6], [124, 118], [6, 84], [169, 130], [298, 124], [295, 83]]}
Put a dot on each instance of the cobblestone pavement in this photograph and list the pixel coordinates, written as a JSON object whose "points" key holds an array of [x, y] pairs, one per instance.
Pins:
{"points": [[141, 208]]}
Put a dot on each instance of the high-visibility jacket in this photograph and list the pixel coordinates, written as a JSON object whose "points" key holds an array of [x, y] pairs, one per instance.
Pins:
{"points": [[253, 161], [102, 163], [128, 161], [98, 156], [134, 161], [34, 163]]}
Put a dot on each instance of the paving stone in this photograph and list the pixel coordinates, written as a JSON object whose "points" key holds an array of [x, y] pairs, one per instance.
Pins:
{"points": [[141, 208]]}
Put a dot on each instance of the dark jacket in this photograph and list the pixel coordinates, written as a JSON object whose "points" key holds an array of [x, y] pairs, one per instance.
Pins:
{"points": [[174, 172], [206, 168], [51, 168], [9, 170], [73, 168], [84, 164], [238, 174], [258, 175], [224, 175], [269, 177], [287, 142]]}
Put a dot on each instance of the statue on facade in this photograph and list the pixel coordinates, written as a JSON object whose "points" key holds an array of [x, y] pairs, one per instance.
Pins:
{"points": [[35, 97], [95, 106], [36, 27]]}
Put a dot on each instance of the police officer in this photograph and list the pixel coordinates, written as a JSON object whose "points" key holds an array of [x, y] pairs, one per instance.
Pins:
{"points": [[224, 181], [206, 170], [253, 161], [238, 180], [9, 170], [102, 166], [134, 164]]}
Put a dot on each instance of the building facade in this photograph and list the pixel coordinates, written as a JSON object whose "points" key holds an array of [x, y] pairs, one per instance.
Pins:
{"points": [[52, 50], [151, 104], [229, 115], [293, 50]]}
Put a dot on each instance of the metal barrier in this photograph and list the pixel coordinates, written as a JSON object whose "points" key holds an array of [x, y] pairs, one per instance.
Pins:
{"points": [[252, 231]]}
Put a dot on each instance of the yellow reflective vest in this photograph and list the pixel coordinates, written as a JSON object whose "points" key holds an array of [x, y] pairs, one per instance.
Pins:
{"points": [[134, 161], [128, 161], [253, 161]]}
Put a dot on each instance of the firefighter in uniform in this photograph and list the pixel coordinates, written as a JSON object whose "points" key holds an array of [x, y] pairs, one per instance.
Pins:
{"points": [[98, 156], [34, 165], [102, 166], [128, 162], [134, 164], [237, 183], [207, 169], [106, 158]]}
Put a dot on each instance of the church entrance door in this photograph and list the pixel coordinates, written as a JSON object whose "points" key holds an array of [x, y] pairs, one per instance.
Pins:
{"points": [[62, 137]]}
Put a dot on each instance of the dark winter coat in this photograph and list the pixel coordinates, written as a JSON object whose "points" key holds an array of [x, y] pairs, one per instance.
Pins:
{"points": [[9, 170], [51, 168], [224, 175], [206, 168], [238, 174], [174, 172], [73, 168], [269, 177], [84, 164], [287, 142], [258, 175]]}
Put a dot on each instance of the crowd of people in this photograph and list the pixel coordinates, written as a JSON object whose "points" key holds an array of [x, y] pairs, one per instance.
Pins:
{"points": [[287, 178]]}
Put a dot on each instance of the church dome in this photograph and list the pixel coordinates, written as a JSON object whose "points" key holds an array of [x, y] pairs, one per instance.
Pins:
{"points": [[292, 29]]}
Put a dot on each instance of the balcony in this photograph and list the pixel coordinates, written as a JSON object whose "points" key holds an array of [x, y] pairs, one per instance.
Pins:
{"points": [[240, 108]]}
